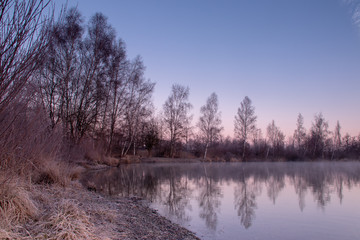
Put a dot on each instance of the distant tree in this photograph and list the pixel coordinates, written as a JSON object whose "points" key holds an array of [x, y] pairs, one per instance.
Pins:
{"points": [[150, 136], [188, 132], [299, 133], [347, 140], [318, 137], [176, 115], [245, 121], [337, 139], [275, 137], [210, 122], [259, 147]]}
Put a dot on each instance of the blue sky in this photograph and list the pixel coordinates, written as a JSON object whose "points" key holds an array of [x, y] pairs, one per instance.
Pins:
{"points": [[288, 56]]}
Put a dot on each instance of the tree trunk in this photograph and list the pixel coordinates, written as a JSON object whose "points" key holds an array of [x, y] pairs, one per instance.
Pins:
{"points": [[243, 153], [206, 149]]}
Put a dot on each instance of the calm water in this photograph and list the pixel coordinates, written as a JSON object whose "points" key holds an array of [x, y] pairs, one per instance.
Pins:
{"points": [[246, 200]]}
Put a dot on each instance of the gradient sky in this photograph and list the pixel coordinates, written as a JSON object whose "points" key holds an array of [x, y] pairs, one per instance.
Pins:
{"points": [[288, 56]]}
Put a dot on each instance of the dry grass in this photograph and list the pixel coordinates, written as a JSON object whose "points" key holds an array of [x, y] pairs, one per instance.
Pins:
{"points": [[16, 207], [52, 172], [67, 221], [62, 216], [35, 174], [56, 172], [16, 204]]}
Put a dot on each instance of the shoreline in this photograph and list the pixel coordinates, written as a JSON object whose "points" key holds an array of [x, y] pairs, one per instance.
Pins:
{"points": [[125, 218], [73, 212]]}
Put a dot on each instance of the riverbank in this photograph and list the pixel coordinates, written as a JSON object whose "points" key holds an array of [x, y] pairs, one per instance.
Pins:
{"points": [[72, 212]]}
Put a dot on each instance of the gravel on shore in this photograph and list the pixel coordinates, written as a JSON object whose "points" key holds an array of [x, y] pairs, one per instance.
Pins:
{"points": [[118, 217]]}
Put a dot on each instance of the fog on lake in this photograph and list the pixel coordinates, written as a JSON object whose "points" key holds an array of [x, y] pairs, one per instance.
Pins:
{"points": [[245, 200]]}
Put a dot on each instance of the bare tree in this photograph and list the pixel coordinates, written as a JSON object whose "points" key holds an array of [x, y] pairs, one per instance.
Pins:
{"points": [[319, 133], [245, 121], [59, 78], [300, 132], [138, 107], [118, 94], [91, 99], [176, 114], [23, 40], [337, 139], [210, 122], [151, 135], [275, 137]]}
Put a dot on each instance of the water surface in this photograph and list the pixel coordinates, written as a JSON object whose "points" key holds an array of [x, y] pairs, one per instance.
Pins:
{"points": [[246, 200]]}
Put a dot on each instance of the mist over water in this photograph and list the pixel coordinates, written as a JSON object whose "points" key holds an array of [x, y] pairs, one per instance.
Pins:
{"points": [[246, 200]]}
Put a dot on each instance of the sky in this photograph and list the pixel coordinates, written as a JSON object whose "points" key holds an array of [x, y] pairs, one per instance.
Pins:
{"points": [[287, 56]]}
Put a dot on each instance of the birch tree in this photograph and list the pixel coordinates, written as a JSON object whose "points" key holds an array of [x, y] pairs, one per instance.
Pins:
{"points": [[337, 139], [138, 107], [275, 137], [319, 133], [245, 121], [210, 122], [176, 115], [300, 133]]}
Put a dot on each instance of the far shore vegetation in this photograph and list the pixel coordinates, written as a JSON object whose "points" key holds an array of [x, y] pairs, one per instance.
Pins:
{"points": [[70, 97]]}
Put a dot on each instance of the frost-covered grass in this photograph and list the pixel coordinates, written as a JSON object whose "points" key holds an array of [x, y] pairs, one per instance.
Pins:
{"points": [[44, 211]]}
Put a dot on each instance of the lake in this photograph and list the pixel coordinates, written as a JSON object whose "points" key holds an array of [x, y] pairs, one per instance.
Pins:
{"points": [[297, 200]]}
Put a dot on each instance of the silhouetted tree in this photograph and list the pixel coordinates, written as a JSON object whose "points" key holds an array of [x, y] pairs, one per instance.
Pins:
{"points": [[300, 134], [245, 121], [59, 77], [176, 115], [24, 39], [276, 139], [90, 88], [151, 136], [138, 107], [117, 92], [318, 136], [210, 122], [337, 140]]}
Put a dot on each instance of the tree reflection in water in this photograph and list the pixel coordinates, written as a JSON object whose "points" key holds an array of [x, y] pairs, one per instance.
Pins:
{"points": [[274, 185], [174, 185], [245, 193], [209, 199], [300, 186], [177, 194]]}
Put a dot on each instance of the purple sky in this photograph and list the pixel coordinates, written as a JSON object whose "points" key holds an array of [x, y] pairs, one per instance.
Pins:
{"points": [[289, 57]]}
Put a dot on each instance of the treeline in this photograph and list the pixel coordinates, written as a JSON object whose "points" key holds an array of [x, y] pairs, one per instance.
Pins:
{"points": [[68, 90], [249, 144]]}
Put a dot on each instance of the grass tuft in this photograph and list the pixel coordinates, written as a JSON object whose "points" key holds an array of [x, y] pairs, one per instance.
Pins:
{"points": [[16, 204], [67, 222]]}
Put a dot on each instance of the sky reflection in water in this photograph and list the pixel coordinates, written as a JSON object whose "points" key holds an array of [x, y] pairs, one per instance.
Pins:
{"points": [[247, 201]]}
